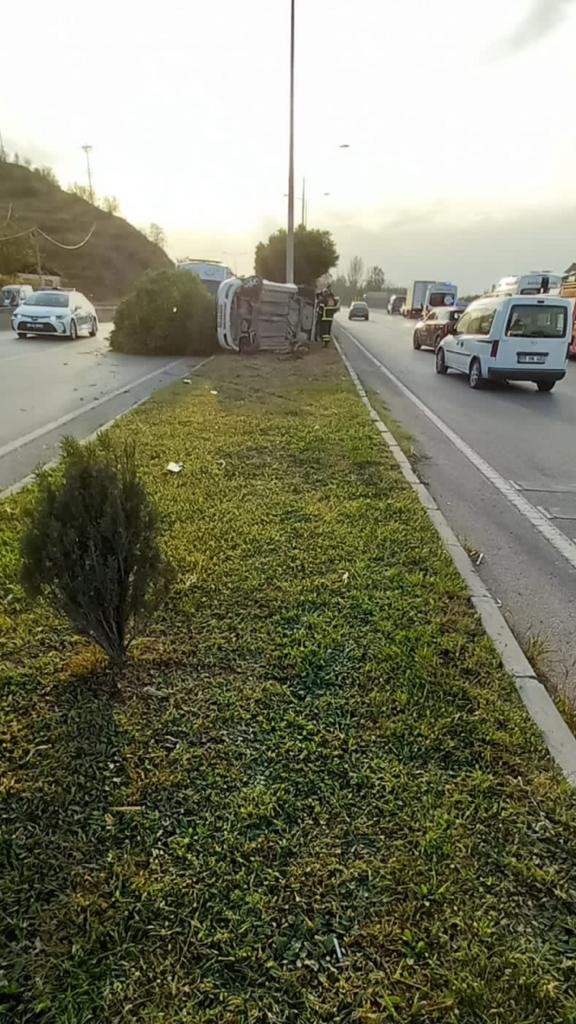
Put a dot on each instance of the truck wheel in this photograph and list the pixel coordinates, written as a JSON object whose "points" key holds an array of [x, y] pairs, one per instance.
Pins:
{"points": [[475, 375], [545, 385]]}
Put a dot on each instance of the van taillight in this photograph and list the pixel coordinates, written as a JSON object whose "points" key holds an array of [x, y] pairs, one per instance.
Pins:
{"points": [[494, 349]]}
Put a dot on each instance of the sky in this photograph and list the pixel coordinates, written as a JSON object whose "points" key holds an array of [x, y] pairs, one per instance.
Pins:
{"points": [[457, 115]]}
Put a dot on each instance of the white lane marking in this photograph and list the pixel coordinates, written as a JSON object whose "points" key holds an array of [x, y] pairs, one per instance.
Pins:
{"points": [[558, 738], [55, 424], [551, 533]]}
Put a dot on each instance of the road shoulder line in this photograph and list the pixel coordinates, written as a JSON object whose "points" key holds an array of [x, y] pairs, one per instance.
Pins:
{"points": [[21, 484], [535, 517], [558, 738], [21, 442]]}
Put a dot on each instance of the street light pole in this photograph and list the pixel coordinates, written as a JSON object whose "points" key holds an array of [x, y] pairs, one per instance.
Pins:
{"points": [[290, 232], [88, 150], [304, 207]]}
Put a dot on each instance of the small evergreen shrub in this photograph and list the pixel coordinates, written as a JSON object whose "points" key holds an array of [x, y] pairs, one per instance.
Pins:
{"points": [[91, 545]]}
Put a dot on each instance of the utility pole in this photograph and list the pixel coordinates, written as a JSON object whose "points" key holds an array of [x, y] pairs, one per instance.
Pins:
{"points": [[36, 241], [290, 232], [88, 150]]}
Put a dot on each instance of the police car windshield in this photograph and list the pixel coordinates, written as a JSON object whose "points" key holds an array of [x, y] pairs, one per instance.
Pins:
{"points": [[48, 299]]}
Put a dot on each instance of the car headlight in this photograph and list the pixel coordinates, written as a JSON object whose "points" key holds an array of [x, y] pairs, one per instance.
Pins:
{"points": [[59, 316]]}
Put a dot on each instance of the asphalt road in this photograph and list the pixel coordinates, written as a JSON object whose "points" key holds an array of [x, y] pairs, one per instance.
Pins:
{"points": [[501, 464], [51, 387]]}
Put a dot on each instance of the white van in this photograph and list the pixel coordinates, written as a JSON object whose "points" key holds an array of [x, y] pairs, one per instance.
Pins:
{"points": [[522, 337], [439, 294], [12, 295], [537, 282]]}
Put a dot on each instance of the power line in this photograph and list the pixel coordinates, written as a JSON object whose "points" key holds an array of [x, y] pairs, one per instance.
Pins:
{"points": [[61, 245], [37, 230]]}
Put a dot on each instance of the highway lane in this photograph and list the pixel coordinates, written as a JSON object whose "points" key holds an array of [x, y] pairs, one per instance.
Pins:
{"points": [[51, 387], [528, 438]]}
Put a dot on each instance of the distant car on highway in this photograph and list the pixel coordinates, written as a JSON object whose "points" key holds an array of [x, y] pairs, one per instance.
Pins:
{"points": [[66, 313], [395, 304], [359, 311], [510, 339], [430, 330]]}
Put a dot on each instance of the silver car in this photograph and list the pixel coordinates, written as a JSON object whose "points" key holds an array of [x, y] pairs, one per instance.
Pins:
{"points": [[61, 312]]}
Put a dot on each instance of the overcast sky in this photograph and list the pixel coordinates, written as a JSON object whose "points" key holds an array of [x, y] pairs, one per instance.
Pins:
{"points": [[458, 115]]}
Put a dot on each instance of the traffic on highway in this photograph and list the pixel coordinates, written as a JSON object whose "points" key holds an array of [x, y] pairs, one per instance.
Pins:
{"points": [[501, 467]]}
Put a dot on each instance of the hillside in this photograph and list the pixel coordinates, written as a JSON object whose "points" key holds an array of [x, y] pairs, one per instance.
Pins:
{"points": [[106, 267]]}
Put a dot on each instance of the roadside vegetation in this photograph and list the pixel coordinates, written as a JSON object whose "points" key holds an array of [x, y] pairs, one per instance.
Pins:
{"points": [[110, 263], [168, 312], [318, 797], [314, 255]]}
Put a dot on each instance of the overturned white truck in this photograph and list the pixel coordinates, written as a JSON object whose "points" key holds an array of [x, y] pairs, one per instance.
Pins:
{"points": [[254, 315]]}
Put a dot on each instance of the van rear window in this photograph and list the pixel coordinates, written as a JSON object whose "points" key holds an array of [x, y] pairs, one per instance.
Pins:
{"points": [[537, 321]]}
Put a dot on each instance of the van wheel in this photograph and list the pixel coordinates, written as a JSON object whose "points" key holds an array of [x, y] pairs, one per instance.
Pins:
{"points": [[545, 385], [475, 375], [440, 362], [416, 341]]}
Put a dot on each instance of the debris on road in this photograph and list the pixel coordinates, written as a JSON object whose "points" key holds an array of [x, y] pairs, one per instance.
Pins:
{"points": [[174, 467]]}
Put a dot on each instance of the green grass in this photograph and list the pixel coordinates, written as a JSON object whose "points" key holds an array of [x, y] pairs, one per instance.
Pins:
{"points": [[328, 756], [402, 436]]}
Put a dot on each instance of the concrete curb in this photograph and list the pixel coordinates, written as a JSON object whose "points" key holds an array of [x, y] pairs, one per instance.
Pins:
{"points": [[558, 738]]}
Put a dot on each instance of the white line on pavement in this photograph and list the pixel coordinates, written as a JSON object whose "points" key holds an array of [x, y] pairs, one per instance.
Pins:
{"points": [[552, 534], [557, 736], [12, 446]]}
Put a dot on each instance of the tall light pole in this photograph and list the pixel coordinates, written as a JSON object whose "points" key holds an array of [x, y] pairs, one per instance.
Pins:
{"points": [[290, 232], [88, 150]]}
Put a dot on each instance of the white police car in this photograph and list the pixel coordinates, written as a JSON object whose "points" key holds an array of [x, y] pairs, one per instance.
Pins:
{"points": [[65, 313]]}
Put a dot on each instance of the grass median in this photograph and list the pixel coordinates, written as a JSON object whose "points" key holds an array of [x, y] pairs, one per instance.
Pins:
{"points": [[317, 797]]}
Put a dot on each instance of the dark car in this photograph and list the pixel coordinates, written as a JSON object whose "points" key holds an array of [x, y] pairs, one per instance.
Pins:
{"points": [[359, 311], [395, 304], [434, 326]]}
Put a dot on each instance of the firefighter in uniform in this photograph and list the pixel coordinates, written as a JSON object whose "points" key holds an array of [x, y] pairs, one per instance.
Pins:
{"points": [[327, 307]]}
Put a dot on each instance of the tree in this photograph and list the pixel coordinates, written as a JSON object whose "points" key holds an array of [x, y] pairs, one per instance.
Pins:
{"points": [[355, 273], [91, 545], [314, 255], [376, 280], [47, 173], [16, 256], [169, 311], [82, 191], [110, 204], [156, 234]]}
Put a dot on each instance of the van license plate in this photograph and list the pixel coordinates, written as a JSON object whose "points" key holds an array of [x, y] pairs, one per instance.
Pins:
{"points": [[531, 357]]}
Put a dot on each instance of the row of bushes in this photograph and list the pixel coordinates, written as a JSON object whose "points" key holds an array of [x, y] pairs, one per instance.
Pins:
{"points": [[170, 312]]}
